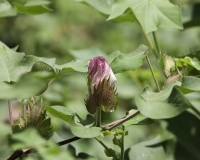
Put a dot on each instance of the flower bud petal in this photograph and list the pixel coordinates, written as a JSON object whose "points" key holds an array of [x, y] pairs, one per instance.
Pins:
{"points": [[101, 86]]}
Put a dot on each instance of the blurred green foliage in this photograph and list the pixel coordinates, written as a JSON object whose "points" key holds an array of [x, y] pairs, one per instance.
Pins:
{"points": [[75, 30]]}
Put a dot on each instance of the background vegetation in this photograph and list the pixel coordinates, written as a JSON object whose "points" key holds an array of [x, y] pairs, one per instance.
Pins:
{"points": [[75, 30]]}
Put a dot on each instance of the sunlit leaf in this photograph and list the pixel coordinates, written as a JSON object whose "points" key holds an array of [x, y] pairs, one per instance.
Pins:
{"points": [[103, 6], [60, 112], [17, 64], [76, 65], [83, 128], [152, 14], [3, 51], [6, 9], [165, 104], [193, 62], [127, 62]]}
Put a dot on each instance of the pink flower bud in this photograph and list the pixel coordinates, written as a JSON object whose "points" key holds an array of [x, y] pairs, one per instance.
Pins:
{"points": [[99, 69], [101, 86]]}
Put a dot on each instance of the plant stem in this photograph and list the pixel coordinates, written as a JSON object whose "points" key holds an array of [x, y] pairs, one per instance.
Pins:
{"points": [[156, 41], [107, 149], [99, 117], [116, 123], [10, 114], [149, 41], [122, 147], [152, 72]]}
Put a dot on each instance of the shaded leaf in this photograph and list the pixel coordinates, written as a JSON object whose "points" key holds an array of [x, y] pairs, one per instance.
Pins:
{"points": [[145, 151], [152, 14], [30, 84], [19, 140], [131, 61], [165, 104], [32, 9], [192, 23], [83, 128], [190, 84], [186, 128], [60, 112]]}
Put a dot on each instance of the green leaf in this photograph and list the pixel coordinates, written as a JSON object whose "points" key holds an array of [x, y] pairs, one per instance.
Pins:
{"points": [[75, 65], [17, 64], [193, 62], [152, 14], [60, 112], [5, 130], [131, 61], [167, 103], [82, 128], [186, 128], [112, 56], [103, 6], [21, 2], [32, 9], [190, 84], [30, 84], [145, 151], [139, 119], [109, 152], [3, 51], [6, 9], [28, 138]]}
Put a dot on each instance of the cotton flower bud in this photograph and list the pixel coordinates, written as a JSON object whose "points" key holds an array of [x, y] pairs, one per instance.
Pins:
{"points": [[101, 86]]}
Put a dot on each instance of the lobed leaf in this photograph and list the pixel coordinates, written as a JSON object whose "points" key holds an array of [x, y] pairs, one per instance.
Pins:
{"points": [[75, 65], [60, 112], [165, 104], [103, 6], [82, 128], [15, 64], [127, 62], [152, 14]]}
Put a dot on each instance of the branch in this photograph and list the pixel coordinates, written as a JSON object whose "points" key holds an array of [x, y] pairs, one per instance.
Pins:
{"points": [[109, 126], [19, 153]]}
